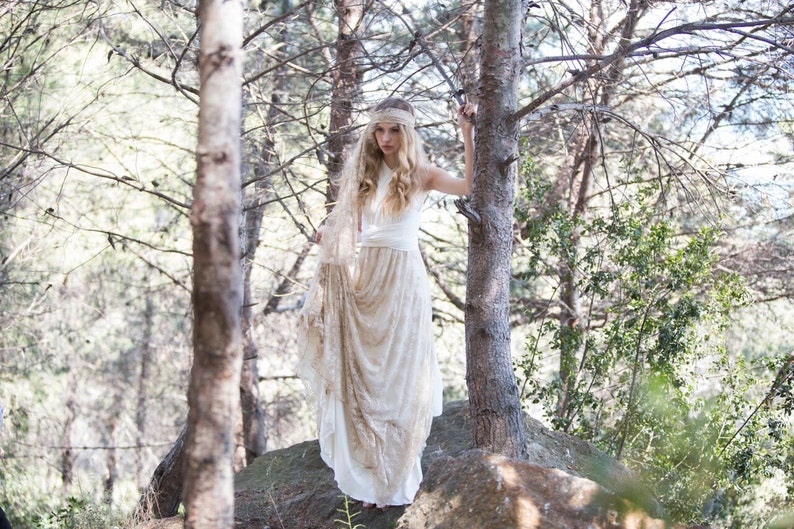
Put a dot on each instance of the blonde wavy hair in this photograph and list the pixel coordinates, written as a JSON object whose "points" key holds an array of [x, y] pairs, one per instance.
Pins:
{"points": [[406, 177]]}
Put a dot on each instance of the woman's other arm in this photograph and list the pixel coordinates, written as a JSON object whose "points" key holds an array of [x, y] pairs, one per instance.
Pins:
{"points": [[439, 179]]}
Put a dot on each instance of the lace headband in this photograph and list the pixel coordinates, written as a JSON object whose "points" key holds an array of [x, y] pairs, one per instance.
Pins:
{"points": [[393, 115]]}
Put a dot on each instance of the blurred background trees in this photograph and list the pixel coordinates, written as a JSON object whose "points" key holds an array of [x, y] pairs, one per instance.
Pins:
{"points": [[650, 296]]}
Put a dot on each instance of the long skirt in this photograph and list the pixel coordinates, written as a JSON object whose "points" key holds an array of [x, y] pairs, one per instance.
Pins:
{"points": [[370, 360]]}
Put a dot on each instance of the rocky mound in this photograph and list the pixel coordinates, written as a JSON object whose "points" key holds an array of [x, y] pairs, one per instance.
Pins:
{"points": [[565, 483]]}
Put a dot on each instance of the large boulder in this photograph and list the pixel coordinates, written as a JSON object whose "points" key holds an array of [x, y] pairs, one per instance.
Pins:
{"points": [[452, 434], [566, 483], [483, 490]]}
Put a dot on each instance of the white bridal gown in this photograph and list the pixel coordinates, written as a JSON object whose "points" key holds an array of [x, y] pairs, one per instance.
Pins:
{"points": [[376, 400]]}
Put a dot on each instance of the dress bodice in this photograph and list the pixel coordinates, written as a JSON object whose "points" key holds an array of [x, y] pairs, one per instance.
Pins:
{"points": [[384, 230]]}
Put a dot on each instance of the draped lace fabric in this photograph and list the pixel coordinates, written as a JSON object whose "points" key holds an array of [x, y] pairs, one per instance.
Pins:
{"points": [[367, 351]]}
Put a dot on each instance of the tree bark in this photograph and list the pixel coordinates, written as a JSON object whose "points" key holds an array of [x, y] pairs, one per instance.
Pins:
{"points": [[348, 76], [163, 494], [162, 497], [254, 434], [214, 391], [493, 392], [468, 31]]}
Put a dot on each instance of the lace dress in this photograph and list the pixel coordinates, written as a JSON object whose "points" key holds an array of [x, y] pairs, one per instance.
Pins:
{"points": [[375, 412]]}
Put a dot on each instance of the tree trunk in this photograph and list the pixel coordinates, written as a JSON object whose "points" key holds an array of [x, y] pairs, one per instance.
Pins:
{"points": [[253, 436], [143, 389], [348, 76], [163, 494], [214, 391], [68, 455], [493, 392], [112, 456], [585, 153], [162, 497], [572, 318], [468, 32]]}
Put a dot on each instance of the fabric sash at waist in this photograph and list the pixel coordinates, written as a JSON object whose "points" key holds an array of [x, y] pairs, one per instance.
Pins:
{"points": [[392, 236]]}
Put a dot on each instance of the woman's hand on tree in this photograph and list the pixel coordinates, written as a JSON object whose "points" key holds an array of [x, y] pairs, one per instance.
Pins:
{"points": [[466, 113]]}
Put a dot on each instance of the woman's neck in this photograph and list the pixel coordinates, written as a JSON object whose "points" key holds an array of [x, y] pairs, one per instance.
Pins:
{"points": [[390, 160]]}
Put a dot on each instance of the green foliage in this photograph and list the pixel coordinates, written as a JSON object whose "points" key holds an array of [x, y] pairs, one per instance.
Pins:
{"points": [[73, 513], [651, 379], [78, 513], [64, 517]]}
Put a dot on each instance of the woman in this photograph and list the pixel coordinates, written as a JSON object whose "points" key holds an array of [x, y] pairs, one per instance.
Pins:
{"points": [[366, 337]]}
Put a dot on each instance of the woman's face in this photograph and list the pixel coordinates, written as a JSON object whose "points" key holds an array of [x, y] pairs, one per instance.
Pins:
{"points": [[389, 137]]}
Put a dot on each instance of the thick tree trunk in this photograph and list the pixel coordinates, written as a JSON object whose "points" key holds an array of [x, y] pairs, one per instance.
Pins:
{"points": [[214, 391], [493, 392]]}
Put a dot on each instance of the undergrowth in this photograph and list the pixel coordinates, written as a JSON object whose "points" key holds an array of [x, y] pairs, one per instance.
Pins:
{"points": [[346, 520]]}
